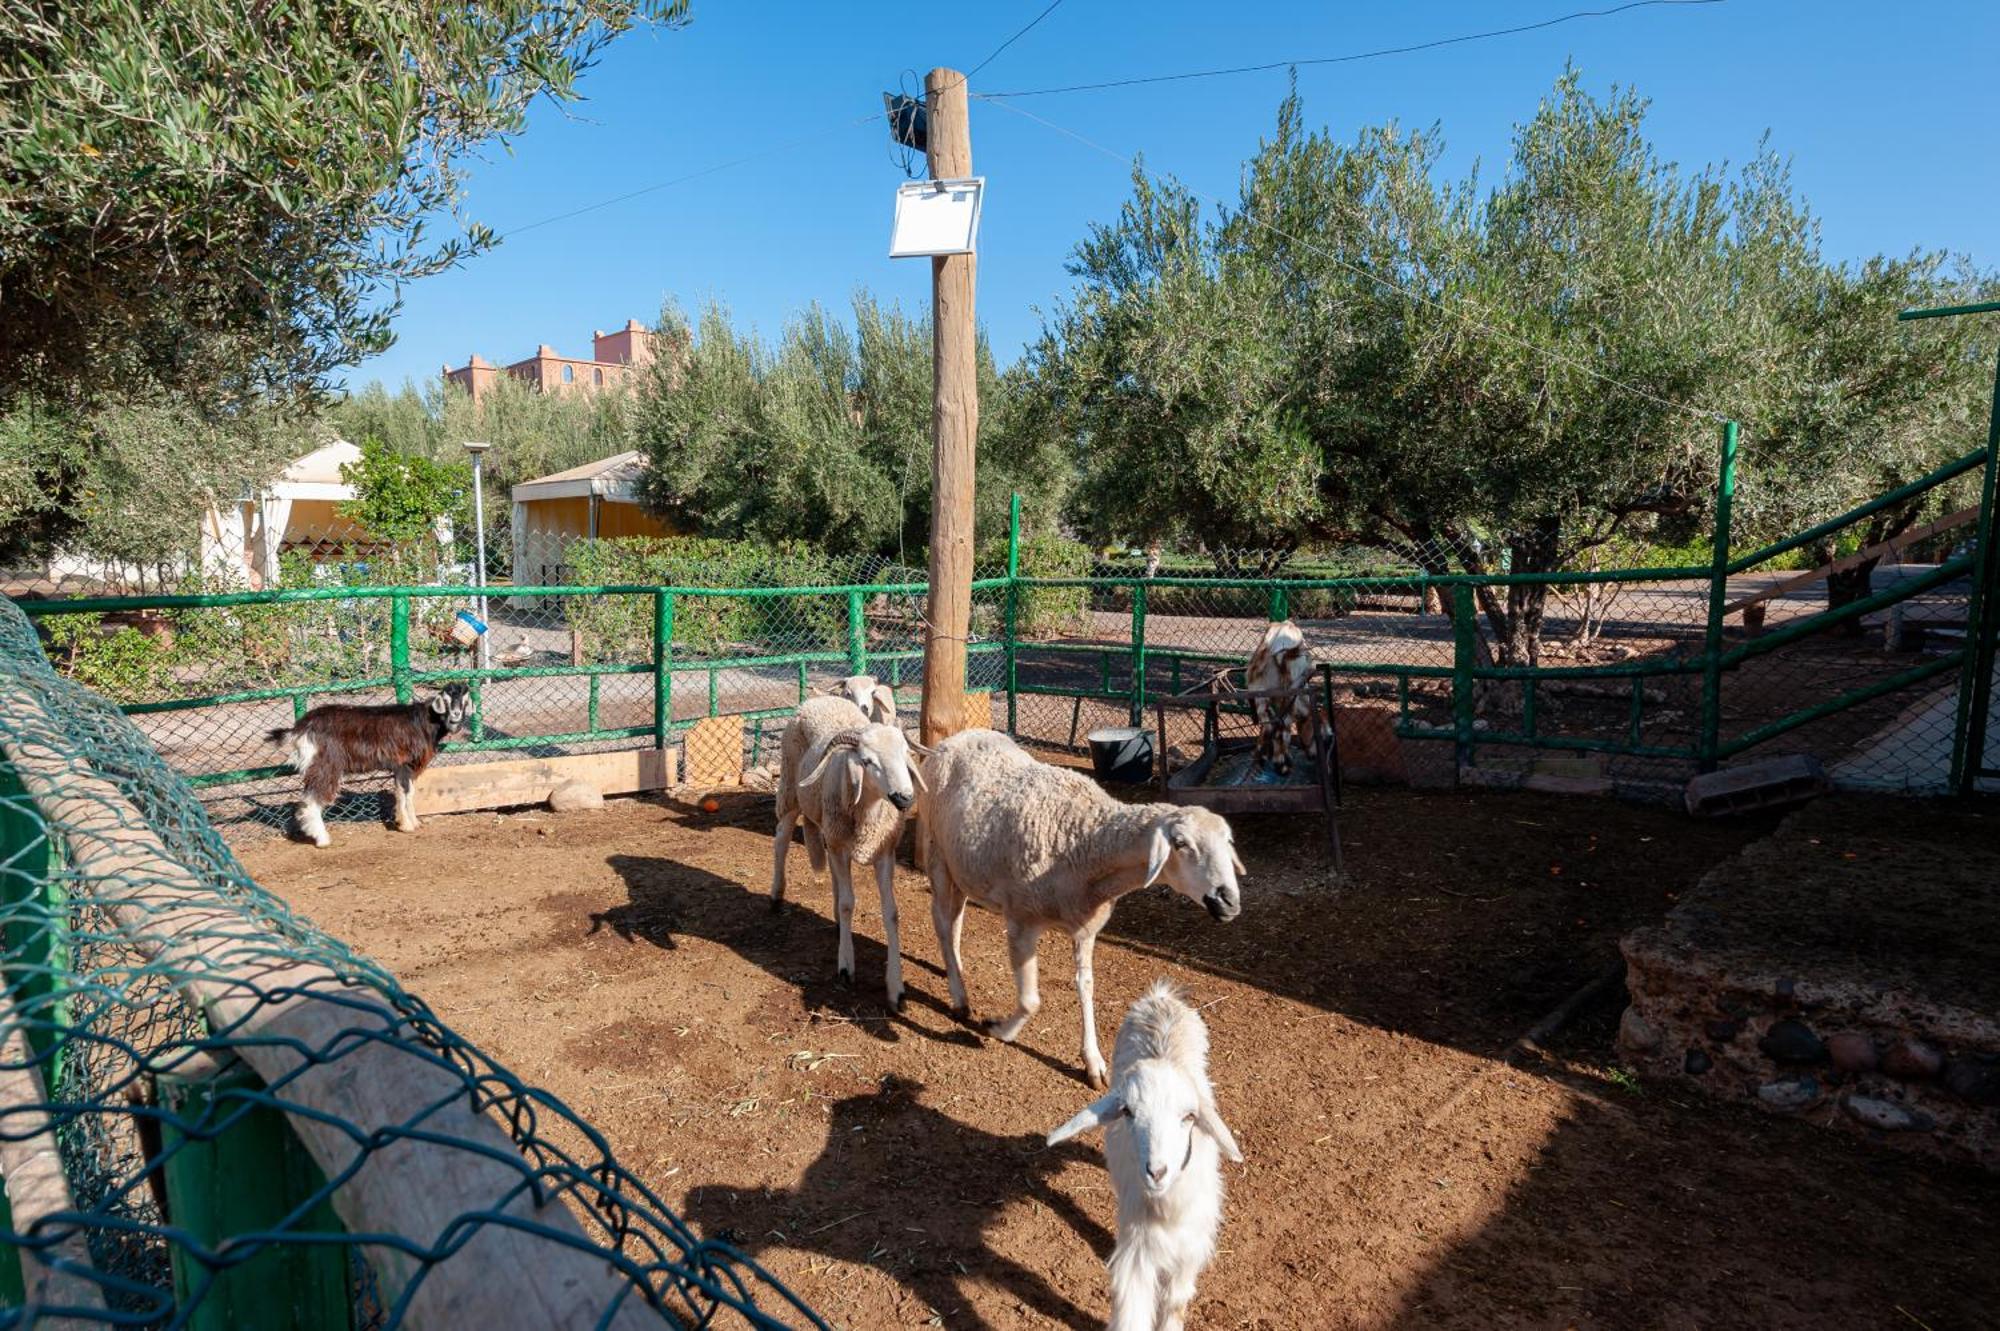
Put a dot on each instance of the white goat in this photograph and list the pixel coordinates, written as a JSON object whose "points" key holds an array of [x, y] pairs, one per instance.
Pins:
{"points": [[1282, 661], [1163, 1137], [849, 781], [870, 695], [1046, 846]]}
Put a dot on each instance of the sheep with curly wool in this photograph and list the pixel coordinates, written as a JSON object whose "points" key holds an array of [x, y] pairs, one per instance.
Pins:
{"points": [[848, 781], [1047, 847], [1164, 1140]]}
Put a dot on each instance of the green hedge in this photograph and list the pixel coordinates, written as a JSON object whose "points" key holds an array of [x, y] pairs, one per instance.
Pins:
{"points": [[621, 627], [1047, 612]]}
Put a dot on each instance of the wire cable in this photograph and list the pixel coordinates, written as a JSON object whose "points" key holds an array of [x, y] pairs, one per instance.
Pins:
{"points": [[1015, 38], [1500, 334], [1336, 59], [872, 117]]}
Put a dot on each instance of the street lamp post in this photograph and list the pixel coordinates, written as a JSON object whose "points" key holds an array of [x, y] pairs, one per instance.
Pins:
{"points": [[479, 542]]}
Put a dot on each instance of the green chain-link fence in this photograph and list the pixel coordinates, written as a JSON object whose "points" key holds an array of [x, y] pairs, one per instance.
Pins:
{"points": [[1848, 641], [213, 1115]]}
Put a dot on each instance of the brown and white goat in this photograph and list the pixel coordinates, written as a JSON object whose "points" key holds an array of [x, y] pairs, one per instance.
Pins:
{"points": [[337, 740], [1282, 664]]}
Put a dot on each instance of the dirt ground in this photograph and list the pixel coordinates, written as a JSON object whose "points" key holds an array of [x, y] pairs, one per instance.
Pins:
{"points": [[890, 1169]]}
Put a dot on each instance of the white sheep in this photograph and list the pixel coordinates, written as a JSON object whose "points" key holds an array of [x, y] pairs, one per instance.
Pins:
{"points": [[849, 781], [1046, 846], [869, 694], [1163, 1143]]}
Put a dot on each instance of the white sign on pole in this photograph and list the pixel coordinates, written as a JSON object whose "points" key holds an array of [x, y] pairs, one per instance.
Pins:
{"points": [[936, 217]]}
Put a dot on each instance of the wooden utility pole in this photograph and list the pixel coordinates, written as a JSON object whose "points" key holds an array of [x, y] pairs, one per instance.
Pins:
{"points": [[954, 426]]}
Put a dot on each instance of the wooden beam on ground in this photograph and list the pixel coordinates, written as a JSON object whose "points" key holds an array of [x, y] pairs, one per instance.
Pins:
{"points": [[518, 781], [364, 1088], [1857, 559], [36, 1187]]}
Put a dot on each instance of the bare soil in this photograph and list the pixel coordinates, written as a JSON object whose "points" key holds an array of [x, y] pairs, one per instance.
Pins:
{"points": [[891, 1169]]}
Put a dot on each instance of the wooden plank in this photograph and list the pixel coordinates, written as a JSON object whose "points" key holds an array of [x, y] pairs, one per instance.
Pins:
{"points": [[714, 749], [36, 1187], [518, 781], [350, 1064], [1855, 560]]}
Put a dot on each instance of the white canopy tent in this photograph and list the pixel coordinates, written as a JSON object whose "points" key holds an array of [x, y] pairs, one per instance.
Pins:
{"points": [[241, 542]]}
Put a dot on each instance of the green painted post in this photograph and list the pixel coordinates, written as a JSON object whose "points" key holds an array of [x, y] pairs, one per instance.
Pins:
{"points": [[399, 647], [1013, 612], [857, 636], [1982, 630], [1718, 596], [1281, 603], [1138, 654], [250, 1173], [1464, 655], [663, 668]]}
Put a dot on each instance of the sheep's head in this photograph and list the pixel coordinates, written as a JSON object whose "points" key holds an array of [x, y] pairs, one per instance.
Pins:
{"points": [[1161, 1108], [876, 699], [451, 706], [1194, 851], [875, 758]]}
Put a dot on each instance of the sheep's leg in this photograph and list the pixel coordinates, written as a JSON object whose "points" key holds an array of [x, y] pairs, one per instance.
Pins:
{"points": [[885, 883], [406, 803], [1094, 1070], [842, 870], [1021, 939], [781, 846], [948, 921], [322, 789]]}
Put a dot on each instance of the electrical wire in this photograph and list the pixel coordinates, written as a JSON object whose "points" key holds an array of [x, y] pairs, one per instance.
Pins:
{"points": [[788, 145], [1015, 38], [1336, 59], [1500, 334]]}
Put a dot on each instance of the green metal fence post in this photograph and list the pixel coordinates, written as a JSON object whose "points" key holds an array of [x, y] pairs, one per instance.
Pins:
{"points": [[1281, 603], [1138, 654], [857, 636], [1464, 656], [663, 667], [1982, 627], [399, 647], [1718, 597], [1014, 612], [241, 1172]]}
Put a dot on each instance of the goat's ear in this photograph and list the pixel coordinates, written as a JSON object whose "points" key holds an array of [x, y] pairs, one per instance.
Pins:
{"points": [[1156, 857], [1093, 1115], [440, 704], [1209, 1120]]}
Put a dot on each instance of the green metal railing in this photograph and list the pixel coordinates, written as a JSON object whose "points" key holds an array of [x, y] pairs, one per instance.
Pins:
{"points": [[1134, 662]]}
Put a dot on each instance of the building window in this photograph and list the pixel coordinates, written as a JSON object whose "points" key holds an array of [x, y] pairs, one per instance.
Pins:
{"points": [[569, 374], [600, 377]]}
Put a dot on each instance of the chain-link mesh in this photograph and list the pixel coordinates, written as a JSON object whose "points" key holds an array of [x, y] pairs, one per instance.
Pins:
{"points": [[206, 1099]]}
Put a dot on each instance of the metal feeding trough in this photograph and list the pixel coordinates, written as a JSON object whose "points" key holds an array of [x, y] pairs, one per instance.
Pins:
{"points": [[1123, 754]]}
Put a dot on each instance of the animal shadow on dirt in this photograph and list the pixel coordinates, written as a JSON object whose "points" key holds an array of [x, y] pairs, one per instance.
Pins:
{"points": [[796, 944], [910, 1191]]}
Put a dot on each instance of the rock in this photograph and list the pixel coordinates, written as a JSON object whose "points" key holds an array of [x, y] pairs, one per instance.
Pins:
{"points": [[1696, 1062], [1852, 1052], [1791, 1041], [1974, 1077], [1635, 1034], [1912, 1060], [574, 797], [1884, 1114], [1789, 1094], [1722, 1032]]}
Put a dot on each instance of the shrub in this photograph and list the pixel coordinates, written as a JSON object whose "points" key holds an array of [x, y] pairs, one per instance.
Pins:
{"points": [[621, 627], [1047, 612]]}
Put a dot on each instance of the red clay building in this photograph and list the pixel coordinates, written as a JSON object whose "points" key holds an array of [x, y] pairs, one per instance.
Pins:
{"points": [[615, 358]]}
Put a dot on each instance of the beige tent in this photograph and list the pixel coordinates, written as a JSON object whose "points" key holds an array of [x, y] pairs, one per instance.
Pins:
{"points": [[596, 500], [241, 542]]}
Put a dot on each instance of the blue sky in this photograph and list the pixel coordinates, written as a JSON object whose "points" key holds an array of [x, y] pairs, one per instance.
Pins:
{"points": [[1888, 112]]}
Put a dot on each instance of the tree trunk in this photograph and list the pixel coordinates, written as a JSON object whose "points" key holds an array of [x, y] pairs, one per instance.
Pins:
{"points": [[1517, 624]]}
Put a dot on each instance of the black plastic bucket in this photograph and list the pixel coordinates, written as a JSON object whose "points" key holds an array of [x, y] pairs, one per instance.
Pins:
{"points": [[1123, 754]]}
